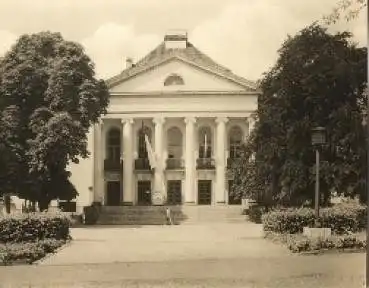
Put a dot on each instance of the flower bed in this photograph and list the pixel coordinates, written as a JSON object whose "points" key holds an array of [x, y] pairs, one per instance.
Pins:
{"points": [[298, 243], [345, 220], [341, 218], [27, 252], [25, 238]]}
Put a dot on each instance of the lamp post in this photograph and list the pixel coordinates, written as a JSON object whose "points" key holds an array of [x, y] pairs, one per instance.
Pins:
{"points": [[367, 187], [318, 138]]}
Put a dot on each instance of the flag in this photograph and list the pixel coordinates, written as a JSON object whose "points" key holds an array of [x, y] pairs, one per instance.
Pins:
{"points": [[205, 146], [150, 152], [156, 164]]}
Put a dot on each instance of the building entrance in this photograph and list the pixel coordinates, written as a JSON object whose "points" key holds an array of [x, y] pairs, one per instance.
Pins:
{"points": [[113, 193], [144, 192], [204, 192], [174, 192]]}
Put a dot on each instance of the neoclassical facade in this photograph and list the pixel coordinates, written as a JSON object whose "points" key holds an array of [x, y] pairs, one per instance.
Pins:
{"points": [[195, 113]]}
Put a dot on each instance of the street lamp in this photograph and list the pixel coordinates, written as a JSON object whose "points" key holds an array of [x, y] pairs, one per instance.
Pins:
{"points": [[318, 138]]}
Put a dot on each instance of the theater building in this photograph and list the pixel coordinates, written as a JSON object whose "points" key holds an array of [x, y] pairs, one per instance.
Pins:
{"points": [[195, 112]]}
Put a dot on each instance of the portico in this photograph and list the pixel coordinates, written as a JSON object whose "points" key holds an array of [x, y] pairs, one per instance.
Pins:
{"points": [[189, 150]]}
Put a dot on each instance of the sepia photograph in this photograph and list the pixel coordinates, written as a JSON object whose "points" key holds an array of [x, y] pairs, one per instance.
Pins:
{"points": [[184, 143]]}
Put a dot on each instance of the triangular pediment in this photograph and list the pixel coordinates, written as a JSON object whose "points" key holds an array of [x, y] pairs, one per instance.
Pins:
{"points": [[194, 78]]}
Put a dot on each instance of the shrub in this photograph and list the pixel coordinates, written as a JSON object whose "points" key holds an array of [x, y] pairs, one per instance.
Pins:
{"points": [[341, 218], [289, 221], [91, 213], [255, 213], [344, 218], [33, 227]]}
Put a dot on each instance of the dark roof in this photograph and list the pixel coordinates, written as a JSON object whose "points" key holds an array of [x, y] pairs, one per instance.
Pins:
{"points": [[190, 53]]}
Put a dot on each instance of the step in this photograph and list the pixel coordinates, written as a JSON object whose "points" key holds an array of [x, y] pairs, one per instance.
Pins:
{"points": [[155, 215]]}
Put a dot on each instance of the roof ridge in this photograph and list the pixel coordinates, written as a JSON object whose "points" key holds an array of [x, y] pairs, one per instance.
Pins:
{"points": [[211, 59]]}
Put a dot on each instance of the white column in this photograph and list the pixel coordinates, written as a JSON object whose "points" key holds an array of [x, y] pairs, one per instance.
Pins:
{"points": [[251, 123], [220, 160], [99, 179], [159, 172], [96, 150], [127, 161], [190, 161]]}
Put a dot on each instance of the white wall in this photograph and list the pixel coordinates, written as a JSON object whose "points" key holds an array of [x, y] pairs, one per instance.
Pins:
{"points": [[82, 176]]}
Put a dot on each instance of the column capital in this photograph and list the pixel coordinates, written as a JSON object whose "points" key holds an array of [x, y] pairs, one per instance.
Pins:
{"points": [[126, 120], [100, 121], [221, 120], [250, 118], [188, 120], [158, 120]]}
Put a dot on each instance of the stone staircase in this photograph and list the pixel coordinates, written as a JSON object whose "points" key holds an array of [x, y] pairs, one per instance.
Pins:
{"points": [[155, 215]]}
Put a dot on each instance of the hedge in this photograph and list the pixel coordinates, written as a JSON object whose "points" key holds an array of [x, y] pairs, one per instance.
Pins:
{"points": [[341, 218], [34, 226]]}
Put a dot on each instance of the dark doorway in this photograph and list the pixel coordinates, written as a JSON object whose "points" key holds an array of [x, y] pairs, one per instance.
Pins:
{"points": [[144, 192], [113, 193], [232, 200], [174, 192], [204, 192]]}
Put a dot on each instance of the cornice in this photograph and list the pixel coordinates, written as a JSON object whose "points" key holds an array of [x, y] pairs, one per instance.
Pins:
{"points": [[183, 93]]}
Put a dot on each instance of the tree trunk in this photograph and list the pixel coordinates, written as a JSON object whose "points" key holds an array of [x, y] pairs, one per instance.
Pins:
{"points": [[7, 203], [43, 204]]}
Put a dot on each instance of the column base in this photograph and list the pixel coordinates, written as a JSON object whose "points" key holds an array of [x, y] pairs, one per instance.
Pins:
{"points": [[221, 203], [127, 203]]}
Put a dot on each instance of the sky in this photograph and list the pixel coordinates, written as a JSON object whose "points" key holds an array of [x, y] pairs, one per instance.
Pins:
{"points": [[243, 35]]}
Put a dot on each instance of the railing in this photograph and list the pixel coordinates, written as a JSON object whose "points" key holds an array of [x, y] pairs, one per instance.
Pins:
{"points": [[174, 163], [142, 164], [113, 165], [231, 162], [205, 163]]}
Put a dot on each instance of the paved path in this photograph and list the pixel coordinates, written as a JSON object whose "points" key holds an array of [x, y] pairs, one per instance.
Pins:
{"points": [[216, 255], [165, 243], [326, 271]]}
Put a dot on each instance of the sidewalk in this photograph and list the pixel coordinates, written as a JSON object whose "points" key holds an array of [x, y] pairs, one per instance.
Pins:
{"points": [[165, 243]]}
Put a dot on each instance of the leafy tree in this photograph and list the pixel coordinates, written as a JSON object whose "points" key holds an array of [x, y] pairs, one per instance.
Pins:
{"points": [[49, 97], [318, 80], [347, 9]]}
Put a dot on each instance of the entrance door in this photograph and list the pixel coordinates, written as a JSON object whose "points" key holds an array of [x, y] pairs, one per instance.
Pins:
{"points": [[113, 193], [204, 192], [232, 200], [174, 192], [144, 192]]}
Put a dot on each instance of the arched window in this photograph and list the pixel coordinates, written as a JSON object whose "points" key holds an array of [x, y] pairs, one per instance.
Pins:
{"points": [[174, 136], [235, 141], [205, 143], [113, 144], [142, 150], [173, 79]]}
